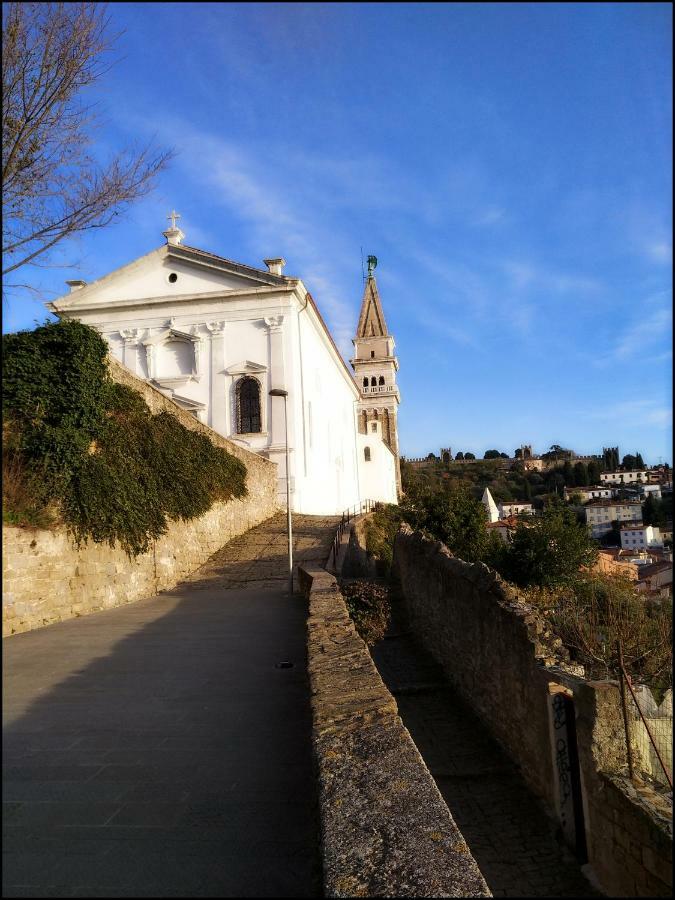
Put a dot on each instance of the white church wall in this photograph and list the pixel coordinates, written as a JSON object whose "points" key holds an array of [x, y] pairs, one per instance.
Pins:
{"points": [[327, 478], [377, 466]]}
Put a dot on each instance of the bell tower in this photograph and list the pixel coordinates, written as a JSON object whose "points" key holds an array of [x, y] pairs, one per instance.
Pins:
{"points": [[375, 368]]}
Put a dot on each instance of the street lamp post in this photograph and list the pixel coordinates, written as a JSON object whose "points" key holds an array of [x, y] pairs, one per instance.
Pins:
{"points": [[278, 392]]}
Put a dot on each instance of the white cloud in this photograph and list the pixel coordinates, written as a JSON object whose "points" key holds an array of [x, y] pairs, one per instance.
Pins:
{"points": [[660, 252], [634, 413], [490, 216], [642, 332]]}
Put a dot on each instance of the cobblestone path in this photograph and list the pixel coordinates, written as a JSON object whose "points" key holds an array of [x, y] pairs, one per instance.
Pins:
{"points": [[259, 557], [511, 839], [158, 749]]}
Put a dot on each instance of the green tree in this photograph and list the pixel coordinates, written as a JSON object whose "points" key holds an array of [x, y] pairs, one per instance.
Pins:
{"points": [[459, 456], [527, 490], [518, 453], [581, 474], [503, 455], [556, 452], [612, 538], [593, 472], [548, 551], [654, 512], [491, 454], [568, 474], [469, 456]]}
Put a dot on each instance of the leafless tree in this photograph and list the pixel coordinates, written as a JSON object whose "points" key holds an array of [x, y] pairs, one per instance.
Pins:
{"points": [[53, 188], [599, 612]]}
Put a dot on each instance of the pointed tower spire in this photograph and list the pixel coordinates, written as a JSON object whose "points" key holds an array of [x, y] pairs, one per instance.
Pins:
{"points": [[371, 319]]}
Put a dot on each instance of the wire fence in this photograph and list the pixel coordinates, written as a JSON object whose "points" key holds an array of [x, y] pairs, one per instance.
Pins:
{"points": [[649, 731]]}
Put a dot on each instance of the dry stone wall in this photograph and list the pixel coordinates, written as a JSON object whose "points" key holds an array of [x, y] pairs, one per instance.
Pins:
{"points": [[47, 579], [385, 829], [498, 654], [491, 645]]}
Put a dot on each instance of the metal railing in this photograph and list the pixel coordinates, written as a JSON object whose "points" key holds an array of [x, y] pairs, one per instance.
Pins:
{"points": [[365, 506]]}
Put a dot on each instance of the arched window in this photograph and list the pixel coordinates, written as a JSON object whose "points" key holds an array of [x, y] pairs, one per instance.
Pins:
{"points": [[366, 453], [381, 379], [248, 406], [373, 381], [365, 382]]}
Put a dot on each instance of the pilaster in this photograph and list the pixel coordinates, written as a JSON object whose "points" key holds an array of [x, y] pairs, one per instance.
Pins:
{"points": [[219, 407], [130, 349], [277, 379]]}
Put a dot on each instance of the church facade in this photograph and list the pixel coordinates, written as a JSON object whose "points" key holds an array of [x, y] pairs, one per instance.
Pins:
{"points": [[216, 336]]}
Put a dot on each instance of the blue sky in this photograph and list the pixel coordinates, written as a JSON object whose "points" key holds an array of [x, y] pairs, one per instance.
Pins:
{"points": [[508, 164]]}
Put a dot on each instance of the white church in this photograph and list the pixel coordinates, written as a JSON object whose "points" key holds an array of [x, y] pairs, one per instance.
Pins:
{"points": [[217, 336]]}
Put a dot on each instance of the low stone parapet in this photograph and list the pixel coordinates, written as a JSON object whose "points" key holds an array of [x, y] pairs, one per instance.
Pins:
{"points": [[386, 830]]}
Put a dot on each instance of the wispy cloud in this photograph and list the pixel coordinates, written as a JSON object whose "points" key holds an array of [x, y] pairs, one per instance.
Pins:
{"points": [[525, 274], [253, 189], [660, 252], [490, 216], [645, 329], [634, 413]]}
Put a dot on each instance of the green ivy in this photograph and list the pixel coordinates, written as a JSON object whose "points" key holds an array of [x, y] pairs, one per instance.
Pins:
{"points": [[117, 472]]}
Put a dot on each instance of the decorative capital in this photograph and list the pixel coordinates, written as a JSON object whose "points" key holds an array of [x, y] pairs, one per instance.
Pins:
{"points": [[130, 334], [216, 327], [274, 323]]}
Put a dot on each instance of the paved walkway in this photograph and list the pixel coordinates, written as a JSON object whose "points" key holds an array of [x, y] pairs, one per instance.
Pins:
{"points": [[509, 836], [157, 750]]}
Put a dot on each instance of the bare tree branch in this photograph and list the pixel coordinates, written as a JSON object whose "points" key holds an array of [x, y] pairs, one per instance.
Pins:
{"points": [[53, 188]]}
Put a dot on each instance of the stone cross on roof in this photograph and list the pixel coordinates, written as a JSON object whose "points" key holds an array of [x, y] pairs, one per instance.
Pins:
{"points": [[173, 235]]}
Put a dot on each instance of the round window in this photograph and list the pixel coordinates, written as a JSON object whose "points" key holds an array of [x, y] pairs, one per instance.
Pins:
{"points": [[173, 278]]}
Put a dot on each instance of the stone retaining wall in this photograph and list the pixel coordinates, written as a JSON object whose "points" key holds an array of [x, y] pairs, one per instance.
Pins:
{"points": [[47, 579], [491, 646], [502, 660], [386, 830]]}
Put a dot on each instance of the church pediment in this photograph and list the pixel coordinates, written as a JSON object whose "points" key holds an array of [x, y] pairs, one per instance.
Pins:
{"points": [[171, 271]]}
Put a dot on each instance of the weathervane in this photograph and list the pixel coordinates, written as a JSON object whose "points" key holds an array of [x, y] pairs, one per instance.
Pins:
{"points": [[372, 265]]}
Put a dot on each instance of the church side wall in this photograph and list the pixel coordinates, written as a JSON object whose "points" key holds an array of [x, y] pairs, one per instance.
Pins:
{"points": [[47, 579], [325, 461]]}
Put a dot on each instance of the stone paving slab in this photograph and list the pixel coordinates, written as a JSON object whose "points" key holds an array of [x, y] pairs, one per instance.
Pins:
{"points": [[509, 836], [156, 750]]}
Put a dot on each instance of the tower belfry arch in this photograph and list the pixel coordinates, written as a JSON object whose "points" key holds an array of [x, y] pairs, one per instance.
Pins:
{"points": [[375, 367]]}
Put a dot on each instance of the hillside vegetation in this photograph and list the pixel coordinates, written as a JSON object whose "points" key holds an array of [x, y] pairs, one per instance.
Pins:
{"points": [[82, 451], [549, 561]]}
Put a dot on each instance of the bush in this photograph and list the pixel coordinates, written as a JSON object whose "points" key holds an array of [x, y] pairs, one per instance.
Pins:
{"points": [[380, 529], [93, 448], [598, 611], [369, 607]]}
